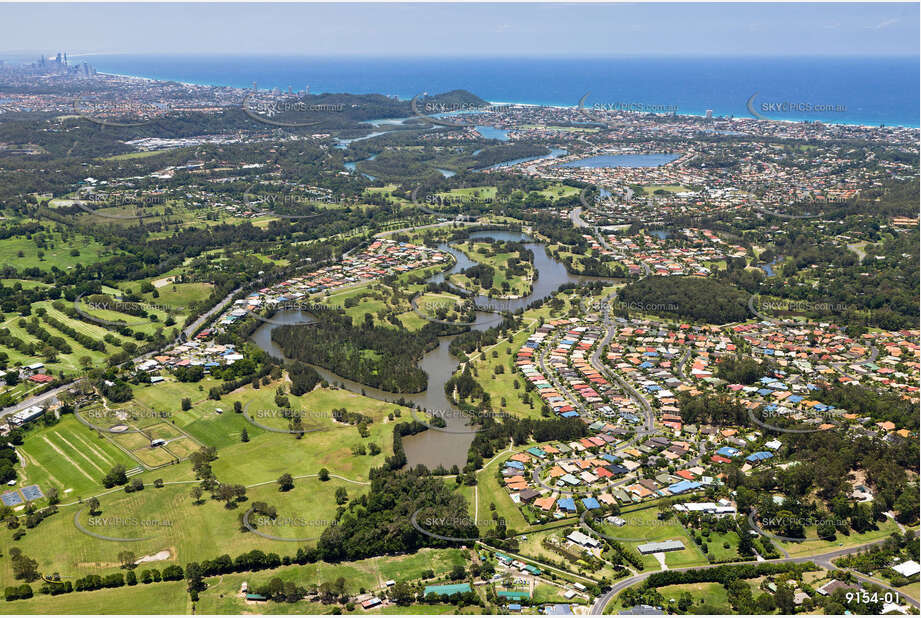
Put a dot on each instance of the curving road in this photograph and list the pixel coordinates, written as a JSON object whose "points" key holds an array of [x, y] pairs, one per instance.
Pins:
{"points": [[823, 560]]}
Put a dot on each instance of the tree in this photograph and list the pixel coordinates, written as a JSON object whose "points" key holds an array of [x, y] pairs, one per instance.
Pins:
{"points": [[324, 474], [116, 476], [402, 594], [127, 558], [93, 504], [342, 496], [186, 403], [196, 494], [244, 435], [193, 575], [285, 482], [784, 599]]}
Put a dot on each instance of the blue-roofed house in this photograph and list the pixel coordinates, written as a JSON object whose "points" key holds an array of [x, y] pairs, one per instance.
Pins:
{"points": [[682, 486], [759, 456], [727, 451], [514, 464], [570, 414], [590, 503], [567, 504], [537, 452]]}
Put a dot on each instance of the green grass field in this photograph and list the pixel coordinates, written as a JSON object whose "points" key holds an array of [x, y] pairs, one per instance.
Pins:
{"points": [[69, 456], [644, 523]]}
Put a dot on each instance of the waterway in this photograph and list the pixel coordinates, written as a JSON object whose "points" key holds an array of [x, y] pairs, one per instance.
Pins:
{"points": [[432, 447]]}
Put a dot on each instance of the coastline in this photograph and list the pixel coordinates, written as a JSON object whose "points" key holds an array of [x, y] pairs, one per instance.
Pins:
{"points": [[717, 114]]}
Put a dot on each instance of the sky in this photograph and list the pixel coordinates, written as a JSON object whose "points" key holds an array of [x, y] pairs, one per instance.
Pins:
{"points": [[457, 30]]}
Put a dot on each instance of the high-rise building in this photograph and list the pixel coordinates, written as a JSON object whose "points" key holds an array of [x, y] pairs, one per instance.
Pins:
{"points": [[709, 114]]}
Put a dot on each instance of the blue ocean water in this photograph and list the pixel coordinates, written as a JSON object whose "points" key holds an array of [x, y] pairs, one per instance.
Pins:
{"points": [[859, 90]]}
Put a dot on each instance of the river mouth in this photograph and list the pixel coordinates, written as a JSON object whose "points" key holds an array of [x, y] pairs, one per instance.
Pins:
{"points": [[434, 448]]}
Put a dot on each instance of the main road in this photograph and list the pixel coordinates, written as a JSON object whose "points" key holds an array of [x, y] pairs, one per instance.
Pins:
{"points": [[824, 560]]}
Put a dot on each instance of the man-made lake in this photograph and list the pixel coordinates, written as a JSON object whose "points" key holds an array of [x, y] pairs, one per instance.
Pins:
{"points": [[626, 160], [433, 447], [492, 133]]}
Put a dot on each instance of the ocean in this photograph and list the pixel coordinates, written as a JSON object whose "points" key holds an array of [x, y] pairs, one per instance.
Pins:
{"points": [[869, 91]]}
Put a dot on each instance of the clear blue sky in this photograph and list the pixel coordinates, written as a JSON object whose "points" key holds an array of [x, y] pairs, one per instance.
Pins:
{"points": [[464, 29]]}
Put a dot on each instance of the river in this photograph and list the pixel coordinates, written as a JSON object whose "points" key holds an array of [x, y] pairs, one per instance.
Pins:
{"points": [[433, 447]]}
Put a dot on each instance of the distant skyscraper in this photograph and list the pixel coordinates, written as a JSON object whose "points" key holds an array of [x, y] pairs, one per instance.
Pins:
{"points": [[307, 89], [709, 114], [290, 90], [255, 87]]}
